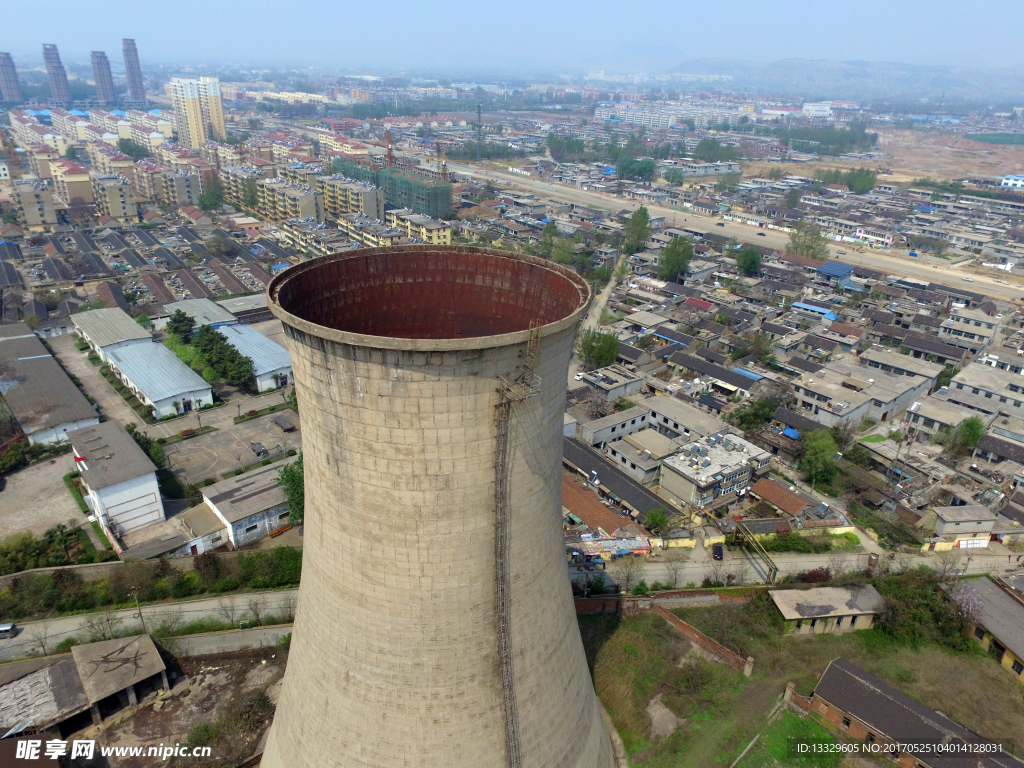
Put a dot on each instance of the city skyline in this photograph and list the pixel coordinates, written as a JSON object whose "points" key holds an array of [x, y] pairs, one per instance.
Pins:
{"points": [[570, 37]]}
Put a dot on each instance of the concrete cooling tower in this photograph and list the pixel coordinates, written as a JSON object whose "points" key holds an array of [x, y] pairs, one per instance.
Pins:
{"points": [[435, 624]]}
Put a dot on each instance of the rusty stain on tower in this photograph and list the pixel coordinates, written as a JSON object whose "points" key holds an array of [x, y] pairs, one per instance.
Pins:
{"points": [[435, 624]]}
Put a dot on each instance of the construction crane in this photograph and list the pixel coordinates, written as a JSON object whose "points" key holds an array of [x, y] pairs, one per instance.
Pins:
{"points": [[442, 170], [13, 166], [479, 130]]}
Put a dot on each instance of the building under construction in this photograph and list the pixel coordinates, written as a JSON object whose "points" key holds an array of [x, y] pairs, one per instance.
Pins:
{"points": [[403, 190], [435, 624]]}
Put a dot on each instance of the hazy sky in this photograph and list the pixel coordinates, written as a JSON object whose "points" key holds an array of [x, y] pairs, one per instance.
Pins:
{"points": [[528, 36]]}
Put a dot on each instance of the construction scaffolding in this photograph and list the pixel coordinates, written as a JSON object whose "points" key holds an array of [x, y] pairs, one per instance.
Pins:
{"points": [[426, 196]]}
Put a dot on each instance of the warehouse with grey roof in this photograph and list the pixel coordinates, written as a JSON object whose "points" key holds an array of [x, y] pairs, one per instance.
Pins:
{"points": [[160, 379], [106, 330]]}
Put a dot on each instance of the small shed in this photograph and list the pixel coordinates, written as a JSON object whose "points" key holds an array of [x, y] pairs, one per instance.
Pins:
{"points": [[827, 610]]}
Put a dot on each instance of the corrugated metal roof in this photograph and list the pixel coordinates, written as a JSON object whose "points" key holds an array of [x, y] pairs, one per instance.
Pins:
{"points": [[204, 311], [835, 269], [266, 355], [38, 391], [156, 371], [109, 326]]}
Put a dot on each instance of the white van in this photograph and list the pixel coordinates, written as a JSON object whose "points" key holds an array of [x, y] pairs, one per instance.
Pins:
{"points": [[7, 630]]}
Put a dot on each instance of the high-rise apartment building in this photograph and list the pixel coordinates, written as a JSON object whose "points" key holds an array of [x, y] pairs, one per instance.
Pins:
{"points": [[60, 93], [136, 85], [104, 80], [10, 88], [198, 110]]}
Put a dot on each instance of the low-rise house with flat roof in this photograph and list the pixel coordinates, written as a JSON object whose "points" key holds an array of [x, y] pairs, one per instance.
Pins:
{"points": [[109, 329], [613, 382], [639, 455], [160, 380], [251, 505], [272, 365], [45, 402], [248, 309], [827, 610], [967, 526], [778, 497], [712, 472], [118, 478], [674, 418], [614, 426], [930, 416]]}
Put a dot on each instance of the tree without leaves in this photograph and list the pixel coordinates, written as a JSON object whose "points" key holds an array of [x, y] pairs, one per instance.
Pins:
{"points": [[809, 241], [675, 259], [626, 571]]}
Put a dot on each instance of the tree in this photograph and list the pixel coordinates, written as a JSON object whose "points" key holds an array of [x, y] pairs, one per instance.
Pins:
{"points": [[249, 192], [638, 229], [563, 251], [598, 349], [622, 271], [809, 241], [728, 183], [656, 521], [181, 325], [213, 196], [755, 414], [748, 261], [859, 455], [547, 239], [626, 570], [675, 176], [675, 259], [631, 168], [133, 149], [711, 151], [818, 462], [293, 482], [793, 198], [970, 432], [71, 154]]}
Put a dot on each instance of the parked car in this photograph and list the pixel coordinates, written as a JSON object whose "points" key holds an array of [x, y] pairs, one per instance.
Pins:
{"points": [[7, 630], [968, 279], [578, 377], [720, 224], [840, 251], [718, 552], [760, 234]]}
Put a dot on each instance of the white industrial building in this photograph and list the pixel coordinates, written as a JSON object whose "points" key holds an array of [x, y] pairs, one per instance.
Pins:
{"points": [[160, 379], [271, 362], [118, 478], [46, 403], [203, 311], [251, 505], [106, 330]]}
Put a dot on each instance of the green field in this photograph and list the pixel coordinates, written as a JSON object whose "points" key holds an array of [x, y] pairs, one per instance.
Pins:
{"points": [[635, 659], [998, 138]]}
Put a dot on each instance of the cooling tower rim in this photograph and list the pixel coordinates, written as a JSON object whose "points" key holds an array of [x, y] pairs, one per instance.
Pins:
{"points": [[426, 345]]}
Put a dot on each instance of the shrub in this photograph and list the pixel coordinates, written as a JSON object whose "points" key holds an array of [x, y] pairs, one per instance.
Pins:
{"points": [[185, 433], [252, 414], [230, 584], [640, 588], [185, 585]]}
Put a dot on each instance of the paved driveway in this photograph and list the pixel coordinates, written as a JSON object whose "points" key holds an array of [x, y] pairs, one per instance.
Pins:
{"points": [[228, 448], [112, 405], [36, 499]]}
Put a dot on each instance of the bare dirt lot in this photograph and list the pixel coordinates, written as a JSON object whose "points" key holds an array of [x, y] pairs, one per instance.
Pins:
{"points": [[230, 697], [916, 154], [36, 499]]}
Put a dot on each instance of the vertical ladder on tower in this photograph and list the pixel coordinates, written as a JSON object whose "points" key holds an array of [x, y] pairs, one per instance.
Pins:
{"points": [[510, 395]]}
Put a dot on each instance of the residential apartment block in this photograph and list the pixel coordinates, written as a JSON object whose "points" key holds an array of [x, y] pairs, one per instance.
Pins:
{"points": [[198, 110]]}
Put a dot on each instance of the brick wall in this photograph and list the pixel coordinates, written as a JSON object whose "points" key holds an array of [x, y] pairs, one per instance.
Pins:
{"points": [[705, 642]]}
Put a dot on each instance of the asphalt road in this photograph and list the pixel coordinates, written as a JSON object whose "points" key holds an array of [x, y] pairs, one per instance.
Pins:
{"points": [[30, 636], [923, 268], [749, 568]]}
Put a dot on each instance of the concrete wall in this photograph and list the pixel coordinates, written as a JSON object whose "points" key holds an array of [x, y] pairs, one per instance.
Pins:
{"points": [[394, 658], [58, 433], [166, 407], [130, 505], [226, 642], [266, 381], [266, 521]]}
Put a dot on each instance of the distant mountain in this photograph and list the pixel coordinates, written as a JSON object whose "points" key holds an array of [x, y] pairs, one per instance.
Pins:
{"points": [[818, 79]]}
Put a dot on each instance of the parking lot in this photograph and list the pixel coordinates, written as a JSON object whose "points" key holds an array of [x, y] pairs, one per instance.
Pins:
{"points": [[36, 499], [228, 448]]}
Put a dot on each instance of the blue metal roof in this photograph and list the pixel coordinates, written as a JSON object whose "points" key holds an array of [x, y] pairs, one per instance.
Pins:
{"points": [[810, 308], [835, 269], [791, 433], [748, 374]]}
